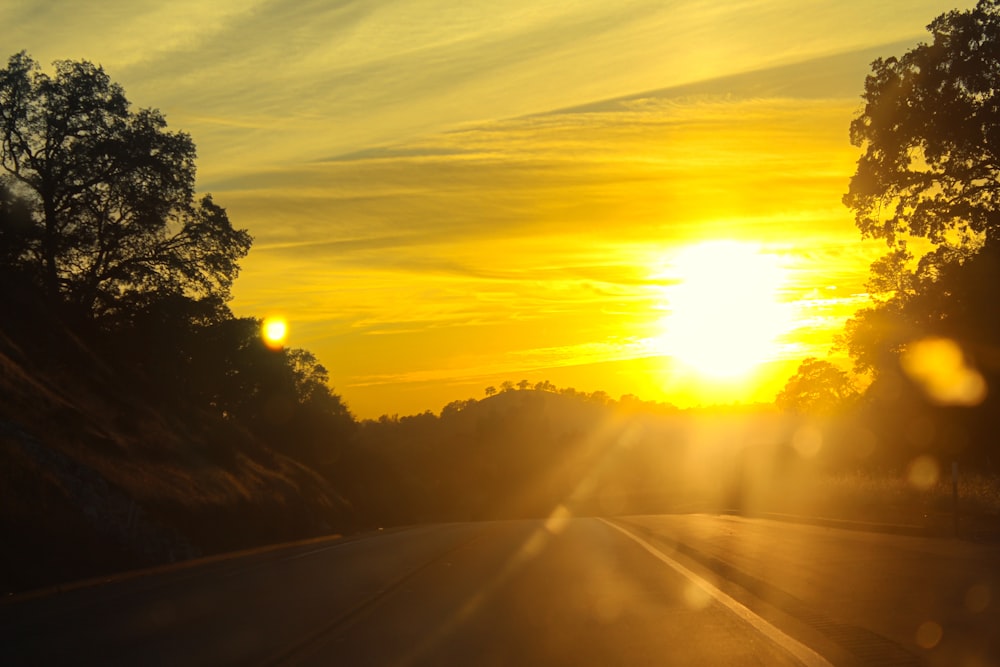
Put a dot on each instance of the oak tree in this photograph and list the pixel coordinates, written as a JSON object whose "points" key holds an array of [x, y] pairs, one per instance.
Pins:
{"points": [[110, 192], [930, 130], [930, 171], [817, 388]]}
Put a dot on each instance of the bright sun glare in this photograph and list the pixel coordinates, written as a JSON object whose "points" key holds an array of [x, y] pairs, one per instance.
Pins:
{"points": [[274, 330], [724, 314]]}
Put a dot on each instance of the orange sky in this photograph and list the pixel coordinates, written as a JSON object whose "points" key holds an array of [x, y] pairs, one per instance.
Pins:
{"points": [[443, 199], [541, 247]]}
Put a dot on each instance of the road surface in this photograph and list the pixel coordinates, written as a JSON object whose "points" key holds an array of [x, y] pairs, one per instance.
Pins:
{"points": [[649, 590]]}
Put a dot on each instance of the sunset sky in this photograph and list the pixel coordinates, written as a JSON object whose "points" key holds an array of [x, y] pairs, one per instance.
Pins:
{"points": [[448, 195]]}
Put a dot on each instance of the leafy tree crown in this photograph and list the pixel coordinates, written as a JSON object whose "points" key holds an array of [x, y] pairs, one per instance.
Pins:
{"points": [[109, 192]]}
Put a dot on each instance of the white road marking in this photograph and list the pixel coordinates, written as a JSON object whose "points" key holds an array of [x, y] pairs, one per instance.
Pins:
{"points": [[800, 651]]}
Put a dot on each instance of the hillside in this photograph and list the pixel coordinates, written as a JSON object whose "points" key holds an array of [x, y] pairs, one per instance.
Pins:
{"points": [[99, 474]]}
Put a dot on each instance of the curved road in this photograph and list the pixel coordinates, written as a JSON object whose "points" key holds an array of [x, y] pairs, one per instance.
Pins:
{"points": [[651, 590]]}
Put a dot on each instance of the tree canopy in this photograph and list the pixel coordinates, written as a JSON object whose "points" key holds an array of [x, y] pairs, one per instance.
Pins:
{"points": [[817, 388], [109, 193], [928, 184], [930, 130], [930, 170], [98, 210]]}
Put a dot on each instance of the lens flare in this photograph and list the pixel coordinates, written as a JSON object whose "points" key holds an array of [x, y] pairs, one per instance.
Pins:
{"points": [[923, 473], [977, 598], [929, 635], [274, 331], [939, 367], [807, 441], [696, 597]]}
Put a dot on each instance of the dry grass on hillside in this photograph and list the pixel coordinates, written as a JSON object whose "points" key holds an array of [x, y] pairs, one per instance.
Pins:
{"points": [[96, 476]]}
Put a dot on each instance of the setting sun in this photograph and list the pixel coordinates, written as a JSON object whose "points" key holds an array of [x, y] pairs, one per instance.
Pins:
{"points": [[274, 331], [725, 317]]}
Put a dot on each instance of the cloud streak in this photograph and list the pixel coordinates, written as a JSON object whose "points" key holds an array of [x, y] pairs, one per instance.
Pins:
{"points": [[561, 223], [311, 78], [445, 192]]}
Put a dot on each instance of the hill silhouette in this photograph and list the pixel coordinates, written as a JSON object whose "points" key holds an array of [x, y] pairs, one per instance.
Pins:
{"points": [[100, 474], [546, 452]]}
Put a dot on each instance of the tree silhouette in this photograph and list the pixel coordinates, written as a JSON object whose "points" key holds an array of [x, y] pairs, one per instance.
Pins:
{"points": [[817, 388], [109, 191], [491, 390], [930, 131], [112, 271], [15, 228], [930, 169]]}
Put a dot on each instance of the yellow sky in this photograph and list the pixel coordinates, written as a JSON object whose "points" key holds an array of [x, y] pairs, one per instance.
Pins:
{"points": [[443, 198]]}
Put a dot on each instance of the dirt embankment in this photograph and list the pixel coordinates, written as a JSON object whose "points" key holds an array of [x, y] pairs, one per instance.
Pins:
{"points": [[96, 477]]}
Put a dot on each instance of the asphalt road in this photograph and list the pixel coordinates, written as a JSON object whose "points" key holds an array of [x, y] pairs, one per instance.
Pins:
{"points": [[651, 590]]}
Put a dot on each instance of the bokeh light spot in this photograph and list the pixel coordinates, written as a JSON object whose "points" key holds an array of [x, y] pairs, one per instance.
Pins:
{"points": [[938, 366], [557, 521], [274, 331], [807, 441], [695, 596], [923, 473], [929, 634], [977, 598]]}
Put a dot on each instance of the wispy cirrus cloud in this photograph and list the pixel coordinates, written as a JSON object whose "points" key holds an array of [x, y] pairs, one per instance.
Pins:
{"points": [[262, 83], [443, 192], [560, 223]]}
